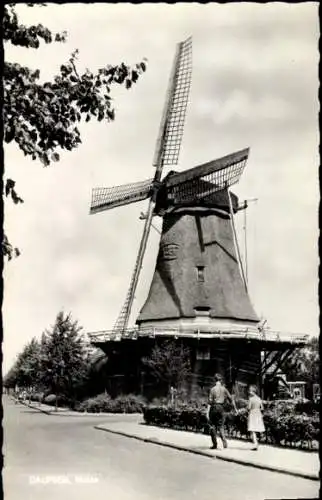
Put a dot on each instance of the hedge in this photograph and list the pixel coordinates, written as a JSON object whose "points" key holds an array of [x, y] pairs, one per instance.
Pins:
{"points": [[283, 429], [129, 403], [308, 407]]}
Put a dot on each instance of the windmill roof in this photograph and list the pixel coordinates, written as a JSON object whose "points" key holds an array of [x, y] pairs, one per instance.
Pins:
{"points": [[185, 197]]}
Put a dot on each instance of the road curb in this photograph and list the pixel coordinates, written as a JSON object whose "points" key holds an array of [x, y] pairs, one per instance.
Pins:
{"points": [[70, 413], [157, 441], [280, 470], [36, 408]]}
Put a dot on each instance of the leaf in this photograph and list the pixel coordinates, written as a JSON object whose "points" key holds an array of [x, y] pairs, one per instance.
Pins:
{"points": [[135, 76], [55, 157], [9, 134], [15, 198], [110, 114], [41, 116], [44, 159], [10, 184], [60, 37]]}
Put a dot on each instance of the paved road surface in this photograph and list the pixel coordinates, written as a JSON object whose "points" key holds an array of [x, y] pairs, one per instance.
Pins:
{"points": [[65, 458]]}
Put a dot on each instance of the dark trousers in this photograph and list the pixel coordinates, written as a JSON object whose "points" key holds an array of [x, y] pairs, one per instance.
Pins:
{"points": [[216, 423]]}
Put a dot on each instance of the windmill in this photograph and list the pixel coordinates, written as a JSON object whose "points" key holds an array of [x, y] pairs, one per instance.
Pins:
{"points": [[199, 286], [205, 185]]}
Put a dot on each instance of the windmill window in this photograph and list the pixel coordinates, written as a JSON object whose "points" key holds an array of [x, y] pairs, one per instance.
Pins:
{"points": [[200, 273]]}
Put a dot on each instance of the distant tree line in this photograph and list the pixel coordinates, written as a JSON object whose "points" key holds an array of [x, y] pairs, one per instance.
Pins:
{"points": [[63, 364], [59, 363]]}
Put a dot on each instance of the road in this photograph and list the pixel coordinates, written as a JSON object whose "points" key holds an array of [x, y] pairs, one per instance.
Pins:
{"points": [[64, 458]]}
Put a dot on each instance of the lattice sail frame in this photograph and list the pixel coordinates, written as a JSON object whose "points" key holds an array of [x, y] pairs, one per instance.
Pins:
{"points": [[167, 153], [169, 140], [116, 196], [178, 106], [173, 116], [203, 181]]}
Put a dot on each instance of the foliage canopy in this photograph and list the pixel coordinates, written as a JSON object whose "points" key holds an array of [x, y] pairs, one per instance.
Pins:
{"points": [[42, 118]]}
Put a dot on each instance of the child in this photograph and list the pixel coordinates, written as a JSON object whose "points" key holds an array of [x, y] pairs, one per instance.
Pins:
{"points": [[255, 418]]}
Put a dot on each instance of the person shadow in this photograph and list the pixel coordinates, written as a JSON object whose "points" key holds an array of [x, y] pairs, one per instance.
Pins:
{"points": [[220, 448]]}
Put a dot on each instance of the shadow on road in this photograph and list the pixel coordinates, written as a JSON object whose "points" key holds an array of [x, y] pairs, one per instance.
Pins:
{"points": [[33, 411]]}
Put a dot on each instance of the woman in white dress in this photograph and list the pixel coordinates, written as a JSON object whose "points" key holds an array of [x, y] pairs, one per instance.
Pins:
{"points": [[255, 418]]}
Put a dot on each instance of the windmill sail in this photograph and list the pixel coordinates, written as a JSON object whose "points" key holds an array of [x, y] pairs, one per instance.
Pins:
{"points": [[167, 153], [202, 181], [117, 196], [174, 113]]}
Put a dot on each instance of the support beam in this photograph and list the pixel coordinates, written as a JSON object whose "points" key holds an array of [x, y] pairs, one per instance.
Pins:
{"points": [[236, 240], [262, 370], [237, 363], [230, 371], [275, 358], [264, 362], [282, 360]]}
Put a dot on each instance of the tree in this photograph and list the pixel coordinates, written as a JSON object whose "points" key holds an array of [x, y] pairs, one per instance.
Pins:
{"points": [[26, 370], [97, 378], [64, 362], [169, 363], [304, 364], [42, 118], [10, 379]]}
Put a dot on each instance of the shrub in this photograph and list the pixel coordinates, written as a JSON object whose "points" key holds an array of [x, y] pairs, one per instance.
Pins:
{"points": [[51, 400], [308, 407], [160, 401], [280, 406], [130, 403], [183, 418], [237, 424], [97, 404], [198, 400], [127, 404], [37, 396], [281, 428], [241, 403]]}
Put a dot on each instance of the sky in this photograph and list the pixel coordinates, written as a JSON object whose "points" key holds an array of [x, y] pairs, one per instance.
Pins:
{"points": [[254, 84]]}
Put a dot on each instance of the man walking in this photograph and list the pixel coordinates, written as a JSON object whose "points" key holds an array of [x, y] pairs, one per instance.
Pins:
{"points": [[216, 411]]}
